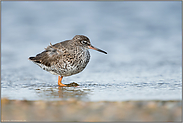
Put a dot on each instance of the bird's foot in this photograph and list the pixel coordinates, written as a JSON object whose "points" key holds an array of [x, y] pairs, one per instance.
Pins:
{"points": [[62, 85], [60, 81]]}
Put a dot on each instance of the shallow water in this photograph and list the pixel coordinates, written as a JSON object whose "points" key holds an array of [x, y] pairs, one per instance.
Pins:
{"points": [[143, 41]]}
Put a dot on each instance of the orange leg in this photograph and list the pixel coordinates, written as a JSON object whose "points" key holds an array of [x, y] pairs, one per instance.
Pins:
{"points": [[59, 81]]}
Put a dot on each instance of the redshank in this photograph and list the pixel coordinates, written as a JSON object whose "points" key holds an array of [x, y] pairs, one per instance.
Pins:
{"points": [[65, 58]]}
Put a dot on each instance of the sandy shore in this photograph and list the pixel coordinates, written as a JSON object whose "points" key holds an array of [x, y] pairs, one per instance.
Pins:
{"points": [[74, 110]]}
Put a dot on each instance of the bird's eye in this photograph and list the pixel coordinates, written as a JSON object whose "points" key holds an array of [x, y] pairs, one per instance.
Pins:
{"points": [[84, 42]]}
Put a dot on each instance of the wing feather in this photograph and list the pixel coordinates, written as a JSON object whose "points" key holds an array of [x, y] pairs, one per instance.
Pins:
{"points": [[50, 56]]}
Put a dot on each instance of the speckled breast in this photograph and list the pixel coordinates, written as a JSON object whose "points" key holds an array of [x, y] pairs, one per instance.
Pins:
{"points": [[72, 63]]}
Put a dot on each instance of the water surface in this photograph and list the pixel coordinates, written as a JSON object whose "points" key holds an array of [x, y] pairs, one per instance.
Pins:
{"points": [[142, 39]]}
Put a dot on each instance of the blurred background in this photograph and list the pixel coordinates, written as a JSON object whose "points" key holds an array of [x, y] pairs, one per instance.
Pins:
{"points": [[142, 39]]}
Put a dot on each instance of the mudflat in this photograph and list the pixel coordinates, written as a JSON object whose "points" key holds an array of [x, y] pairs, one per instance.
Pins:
{"points": [[74, 110]]}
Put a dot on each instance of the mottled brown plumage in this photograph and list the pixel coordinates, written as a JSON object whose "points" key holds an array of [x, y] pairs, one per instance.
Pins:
{"points": [[65, 58]]}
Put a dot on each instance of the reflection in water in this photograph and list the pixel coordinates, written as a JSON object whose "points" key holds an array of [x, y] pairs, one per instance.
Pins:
{"points": [[63, 93]]}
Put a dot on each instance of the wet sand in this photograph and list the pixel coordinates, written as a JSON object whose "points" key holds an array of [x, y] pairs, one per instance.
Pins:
{"points": [[74, 110]]}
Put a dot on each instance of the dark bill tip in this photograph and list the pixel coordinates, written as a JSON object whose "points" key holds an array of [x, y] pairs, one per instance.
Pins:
{"points": [[94, 48]]}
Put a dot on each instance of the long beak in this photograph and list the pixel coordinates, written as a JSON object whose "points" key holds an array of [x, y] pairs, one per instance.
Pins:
{"points": [[94, 48]]}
